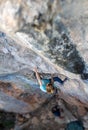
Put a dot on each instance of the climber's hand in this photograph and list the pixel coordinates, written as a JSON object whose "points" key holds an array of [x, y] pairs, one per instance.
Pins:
{"points": [[35, 69]]}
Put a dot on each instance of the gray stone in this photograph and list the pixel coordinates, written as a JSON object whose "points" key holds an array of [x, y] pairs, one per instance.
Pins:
{"points": [[10, 104], [35, 121], [49, 34]]}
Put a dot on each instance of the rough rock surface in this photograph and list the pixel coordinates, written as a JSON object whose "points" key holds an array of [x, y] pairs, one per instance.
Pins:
{"points": [[20, 91], [47, 23], [50, 34]]}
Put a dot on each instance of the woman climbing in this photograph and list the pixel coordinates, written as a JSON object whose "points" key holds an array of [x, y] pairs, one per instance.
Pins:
{"points": [[47, 85]]}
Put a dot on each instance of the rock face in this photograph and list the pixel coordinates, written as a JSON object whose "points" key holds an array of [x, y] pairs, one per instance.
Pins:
{"points": [[19, 90], [49, 34], [10, 104], [51, 26]]}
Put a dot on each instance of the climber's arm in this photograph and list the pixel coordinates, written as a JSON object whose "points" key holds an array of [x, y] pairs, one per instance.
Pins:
{"points": [[52, 80], [38, 77]]}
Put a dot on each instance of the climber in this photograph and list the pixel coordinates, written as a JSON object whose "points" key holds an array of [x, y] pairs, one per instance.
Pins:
{"points": [[47, 85]]}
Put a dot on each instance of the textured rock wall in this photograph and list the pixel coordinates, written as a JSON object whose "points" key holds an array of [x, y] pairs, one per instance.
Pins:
{"points": [[57, 28], [50, 34]]}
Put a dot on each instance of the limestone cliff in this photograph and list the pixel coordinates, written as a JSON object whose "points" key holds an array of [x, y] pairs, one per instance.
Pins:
{"points": [[49, 34]]}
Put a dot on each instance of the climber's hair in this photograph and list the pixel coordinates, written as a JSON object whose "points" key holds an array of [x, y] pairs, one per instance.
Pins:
{"points": [[50, 88]]}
